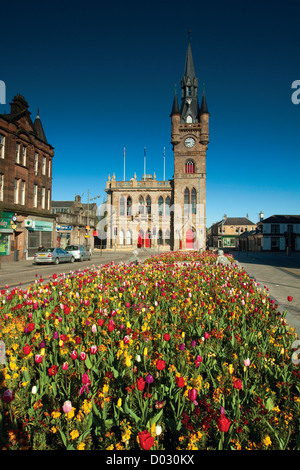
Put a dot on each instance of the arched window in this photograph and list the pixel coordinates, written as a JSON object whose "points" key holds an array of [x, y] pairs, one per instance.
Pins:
{"points": [[121, 237], [186, 200], [190, 166], [141, 205], [189, 118], [148, 205], [122, 205], [167, 205], [129, 204], [160, 205], [129, 237], [193, 200]]}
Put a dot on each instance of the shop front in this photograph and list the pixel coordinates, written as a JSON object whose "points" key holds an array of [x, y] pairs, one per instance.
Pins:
{"points": [[6, 233], [63, 233], [40, 233]]}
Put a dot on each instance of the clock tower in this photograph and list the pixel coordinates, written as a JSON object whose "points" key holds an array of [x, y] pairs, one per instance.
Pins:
{"points": [[189, 138]]}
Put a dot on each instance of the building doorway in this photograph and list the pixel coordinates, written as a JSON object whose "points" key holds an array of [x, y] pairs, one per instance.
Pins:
{"points": [[148, 239], [189, 240]]}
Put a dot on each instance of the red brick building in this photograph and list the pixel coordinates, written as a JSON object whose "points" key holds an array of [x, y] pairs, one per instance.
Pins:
{"points": [[25, 184]]}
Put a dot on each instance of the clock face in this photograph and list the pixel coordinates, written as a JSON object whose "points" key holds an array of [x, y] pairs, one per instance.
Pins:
{"points": [[189, 142]]}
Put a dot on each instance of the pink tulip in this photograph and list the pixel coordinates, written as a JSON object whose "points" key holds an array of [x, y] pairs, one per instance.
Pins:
{"points": [[247, 362], [74, 355], [65, 366], [192, 394], [206, 335], [94, 329], [93, 349], [38, 358], [83, 356], [67, 406]]}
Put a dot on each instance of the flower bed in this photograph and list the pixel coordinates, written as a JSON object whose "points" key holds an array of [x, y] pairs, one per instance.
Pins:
{"points": [[153, 356], [187, 257]]}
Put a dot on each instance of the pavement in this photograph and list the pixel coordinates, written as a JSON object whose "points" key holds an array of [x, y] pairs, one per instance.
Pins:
{"points": [[281, 274], [277, 271]]}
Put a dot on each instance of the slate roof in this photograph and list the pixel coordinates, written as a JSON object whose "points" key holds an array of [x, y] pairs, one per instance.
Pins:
{"points": [[282, 219], [39, 129], [238, 221]]}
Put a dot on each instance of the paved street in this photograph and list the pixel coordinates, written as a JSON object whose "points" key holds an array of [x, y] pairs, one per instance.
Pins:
{"points": [[24, 272], [279, 272]]}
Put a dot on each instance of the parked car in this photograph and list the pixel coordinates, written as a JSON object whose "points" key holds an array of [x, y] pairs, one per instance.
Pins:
{"points": [[53, 255], [79, 252]]}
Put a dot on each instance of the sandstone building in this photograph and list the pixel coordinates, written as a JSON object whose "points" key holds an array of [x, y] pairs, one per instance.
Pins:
{"points": [[173, 212], [25, 183]]}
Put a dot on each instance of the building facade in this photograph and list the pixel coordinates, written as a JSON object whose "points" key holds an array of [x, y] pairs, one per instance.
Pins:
{"points": [[26, 158], [75, 222], [170, 213], [281, 232], [227, 232]]}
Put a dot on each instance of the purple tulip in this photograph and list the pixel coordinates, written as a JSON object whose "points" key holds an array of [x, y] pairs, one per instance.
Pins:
{"points": [[149, 379], [182, 347]]}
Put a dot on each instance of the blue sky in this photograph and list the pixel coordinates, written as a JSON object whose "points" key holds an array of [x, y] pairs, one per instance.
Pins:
{"points": [[103, 76]]}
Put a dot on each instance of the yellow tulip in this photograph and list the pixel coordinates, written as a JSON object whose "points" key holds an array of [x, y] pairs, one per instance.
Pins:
{"points": [[119, 404], [230, 369]]}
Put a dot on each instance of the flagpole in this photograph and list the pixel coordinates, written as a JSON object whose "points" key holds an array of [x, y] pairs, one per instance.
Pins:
{"points": [[164, 164], [144, 163], [124, 163]]}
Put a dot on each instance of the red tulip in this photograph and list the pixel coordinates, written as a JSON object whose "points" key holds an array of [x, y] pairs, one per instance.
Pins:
{"points": [[27, 350], [238, 384], [52, 370], [290, 298], [180, 382], [146, 440], [160, 364], [223, 423], [8, 396], [167, 337], [140, 383]]}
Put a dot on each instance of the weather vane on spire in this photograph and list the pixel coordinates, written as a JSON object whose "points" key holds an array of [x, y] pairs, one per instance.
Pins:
{"points": [[189, 34]]}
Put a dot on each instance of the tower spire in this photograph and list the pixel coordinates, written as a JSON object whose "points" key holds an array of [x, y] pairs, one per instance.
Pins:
{"points": [[189, 107]]}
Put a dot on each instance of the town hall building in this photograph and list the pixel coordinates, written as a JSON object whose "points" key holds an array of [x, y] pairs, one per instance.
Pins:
{"points": [[169, 213]]}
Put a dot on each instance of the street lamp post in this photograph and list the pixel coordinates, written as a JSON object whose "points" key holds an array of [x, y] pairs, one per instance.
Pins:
{"points": [[88, 215]]}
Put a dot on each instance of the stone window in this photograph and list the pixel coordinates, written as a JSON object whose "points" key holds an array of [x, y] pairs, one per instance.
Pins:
{"points": [[2, 146], [141, 205], [167, 205], [160, 206], [186, 200], [122, 205], [129, 206], [148, 205], [193, 200]]}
